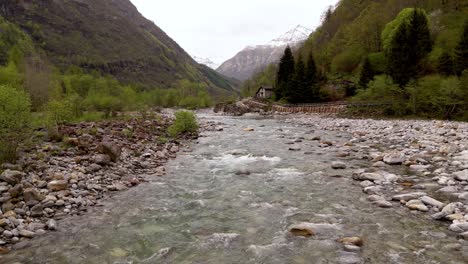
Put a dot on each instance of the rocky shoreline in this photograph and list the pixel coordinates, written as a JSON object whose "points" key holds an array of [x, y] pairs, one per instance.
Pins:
{"points": [[56, 179], [420, 165]]}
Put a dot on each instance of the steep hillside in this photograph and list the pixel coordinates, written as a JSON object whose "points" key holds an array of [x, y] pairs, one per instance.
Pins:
{"points": [[353, 30], [253, 59], [110, 36]]}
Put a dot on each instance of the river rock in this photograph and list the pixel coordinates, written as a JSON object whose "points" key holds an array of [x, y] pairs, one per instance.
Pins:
{"points": [[26, 233], [408, 196], [52, 224], [301, 230], [310, 229], [102, 159], [463, 196], [37, 210], [337, 165], [451, 208], [464, 235], [31, 194], [449, 189], [417, 205], [383, 204], [461, 175], [16, 191], [58, 185], [368, 177], [11, 177], [459, 227], [431, 201], [394, 158], [109, 148], [373, 190], [356, 241]]}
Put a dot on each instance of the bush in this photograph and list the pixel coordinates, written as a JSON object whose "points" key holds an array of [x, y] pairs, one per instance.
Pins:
{"points": [[185, 122], [15, 118]]}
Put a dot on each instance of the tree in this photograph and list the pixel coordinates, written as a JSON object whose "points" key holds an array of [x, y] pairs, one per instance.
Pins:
{"points": [[461, 52], [312, 80], [367, 73], [409, 45], [298, 86], [445, 64], [285, 73], [15, 117]]}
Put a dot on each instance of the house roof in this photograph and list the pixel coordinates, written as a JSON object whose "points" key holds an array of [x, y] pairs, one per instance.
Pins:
{"points": [[266, 87]]}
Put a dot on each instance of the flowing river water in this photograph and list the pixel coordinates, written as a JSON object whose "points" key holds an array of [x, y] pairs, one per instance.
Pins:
{"points": [[208, 209]]}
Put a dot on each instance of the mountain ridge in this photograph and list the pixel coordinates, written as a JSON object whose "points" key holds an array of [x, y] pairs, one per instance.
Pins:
{"points": [[125, 45], [253, 59]]}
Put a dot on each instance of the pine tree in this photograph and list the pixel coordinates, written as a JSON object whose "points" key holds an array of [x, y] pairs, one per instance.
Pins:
{"points": [[285, 74], [399, 65], [367, 73], [298, 85], [445, 65], [312, 81], [409, 46], [461, 52], [419, 40]]}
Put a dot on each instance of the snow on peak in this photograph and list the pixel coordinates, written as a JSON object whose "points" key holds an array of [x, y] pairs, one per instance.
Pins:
{"points": [[293, 36], [206, 61]]}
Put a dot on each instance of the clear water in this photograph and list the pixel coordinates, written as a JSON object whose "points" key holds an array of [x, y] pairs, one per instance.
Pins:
{"points": [[205, 211]]}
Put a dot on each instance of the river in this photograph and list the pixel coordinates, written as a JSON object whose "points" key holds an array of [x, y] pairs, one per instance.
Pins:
{"points": [[231, 197]]}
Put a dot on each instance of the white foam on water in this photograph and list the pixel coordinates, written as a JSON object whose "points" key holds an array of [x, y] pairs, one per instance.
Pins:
{"points": [[237, 161], [221, 239]]}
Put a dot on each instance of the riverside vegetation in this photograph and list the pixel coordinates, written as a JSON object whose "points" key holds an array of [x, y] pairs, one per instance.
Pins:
{"points": [[414, 60]]}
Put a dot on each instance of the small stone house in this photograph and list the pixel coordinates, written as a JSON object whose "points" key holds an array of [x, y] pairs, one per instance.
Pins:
{"points": [[264, 92]]}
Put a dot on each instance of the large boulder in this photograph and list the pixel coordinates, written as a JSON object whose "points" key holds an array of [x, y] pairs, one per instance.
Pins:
{"points": [[58, 185], [394, 158], [11, 177], [111, 149]]}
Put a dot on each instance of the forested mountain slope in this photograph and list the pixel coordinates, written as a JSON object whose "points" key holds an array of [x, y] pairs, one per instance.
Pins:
{"points": [[109, 36], [353, 30]]}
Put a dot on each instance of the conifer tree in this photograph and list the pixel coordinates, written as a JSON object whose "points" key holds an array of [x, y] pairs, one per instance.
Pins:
{"points": [[461, 52], [298, 85], [285, 74], [312, 81], [367, 73], [445, 65], [409, 46], [399, 65]]}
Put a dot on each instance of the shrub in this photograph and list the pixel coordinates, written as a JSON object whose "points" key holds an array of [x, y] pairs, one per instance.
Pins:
{"points": [[185, 122], [15, 117]]}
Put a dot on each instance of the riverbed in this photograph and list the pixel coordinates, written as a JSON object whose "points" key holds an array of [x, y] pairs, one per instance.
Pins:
{"points": [[231, 197]]}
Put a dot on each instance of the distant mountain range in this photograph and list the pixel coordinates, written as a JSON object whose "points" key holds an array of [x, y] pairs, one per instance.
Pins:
{"points": [[111, 37], [253, 59]]}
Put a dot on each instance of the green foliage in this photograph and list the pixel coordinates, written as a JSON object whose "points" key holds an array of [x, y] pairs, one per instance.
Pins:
{"points": [[15, 118], [312, 80], [348, 60], [185, 122], [407, 46], [285, 74], [298, 85], [461, 52], [391, 29], [431, 96], [367, 74], [59, 112], [445, 65]]}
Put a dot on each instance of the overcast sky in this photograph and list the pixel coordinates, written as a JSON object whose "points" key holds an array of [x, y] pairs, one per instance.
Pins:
{"points": [[218, 29]]}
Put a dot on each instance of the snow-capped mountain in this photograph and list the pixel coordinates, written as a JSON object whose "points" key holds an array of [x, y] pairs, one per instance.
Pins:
{"points": [[254, 58], [206, 62], [293, 36]]}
